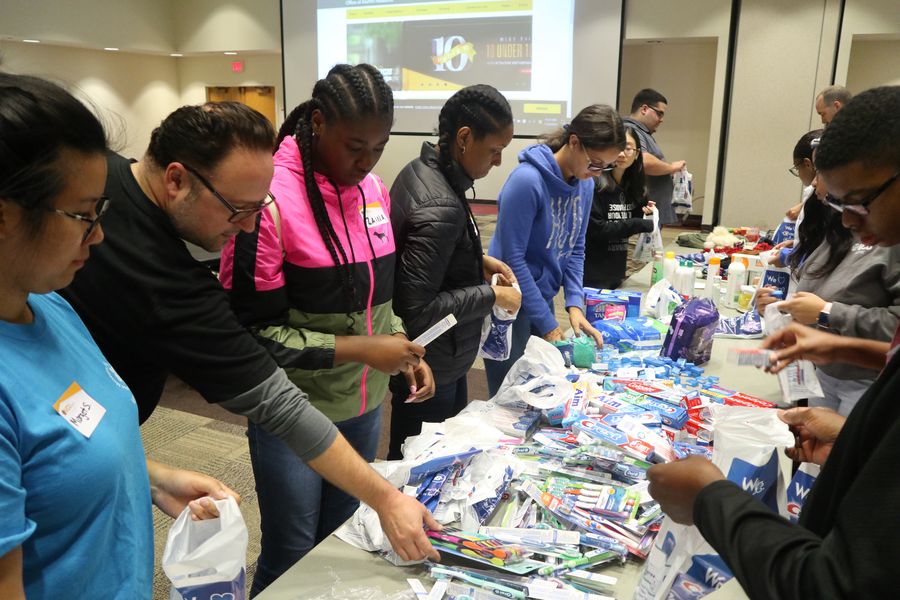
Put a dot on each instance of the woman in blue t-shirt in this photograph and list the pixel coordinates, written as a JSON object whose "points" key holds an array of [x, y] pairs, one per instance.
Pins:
{"points": [[75, 487]]}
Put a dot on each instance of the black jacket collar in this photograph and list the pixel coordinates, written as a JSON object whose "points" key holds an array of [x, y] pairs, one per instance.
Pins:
{"points": [[458, 179]]}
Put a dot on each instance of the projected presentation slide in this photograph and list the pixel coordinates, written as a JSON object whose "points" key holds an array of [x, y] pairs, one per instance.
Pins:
{"points": [[426, 50]]}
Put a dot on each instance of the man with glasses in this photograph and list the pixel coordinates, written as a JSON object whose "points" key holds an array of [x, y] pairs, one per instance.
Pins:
{"points": [[154, 310], [843, 545], [648, 109]]}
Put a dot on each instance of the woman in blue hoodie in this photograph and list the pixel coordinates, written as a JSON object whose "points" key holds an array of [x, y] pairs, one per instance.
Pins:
{"points": [[544, 208]]}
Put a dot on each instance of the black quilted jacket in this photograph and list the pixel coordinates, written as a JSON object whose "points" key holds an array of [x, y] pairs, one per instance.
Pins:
{"points": [[439, 263]]}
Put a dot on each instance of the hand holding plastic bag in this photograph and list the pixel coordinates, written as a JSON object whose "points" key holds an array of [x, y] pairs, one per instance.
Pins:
{"points": [[648, 243], [206, 560], [496, 331], [798, 380]]}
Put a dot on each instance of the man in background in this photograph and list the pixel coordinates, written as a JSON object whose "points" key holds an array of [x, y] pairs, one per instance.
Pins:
{"points": [[648, 109], [830, 100]]}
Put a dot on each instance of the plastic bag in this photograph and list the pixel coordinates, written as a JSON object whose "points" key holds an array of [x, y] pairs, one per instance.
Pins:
{"points": [[206, 560], [661, 300], [691, 331], [798, 380], [496, 331], [538, 378], [786, 231], [747, 326], [748, 448], [682, 192], [650, 242], [799, 487]]}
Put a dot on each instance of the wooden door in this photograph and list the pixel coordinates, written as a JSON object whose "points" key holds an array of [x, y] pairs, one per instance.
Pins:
{"points": [[260, 98]]}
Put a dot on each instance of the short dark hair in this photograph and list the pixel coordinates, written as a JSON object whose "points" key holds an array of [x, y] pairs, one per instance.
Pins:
{"points": [[647, 96], [38, 121], [203, 135], [867, 130], [803, 148], [835, 92], [597, 127]]}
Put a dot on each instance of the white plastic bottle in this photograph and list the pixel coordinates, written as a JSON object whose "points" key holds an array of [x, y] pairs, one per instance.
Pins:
{"points": [[669, 265], [682, 277], [712, 271], [689, 278], [737, 272]]}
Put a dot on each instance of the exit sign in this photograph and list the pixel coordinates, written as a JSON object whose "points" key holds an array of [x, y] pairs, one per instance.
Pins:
{"points": [[237, 66]]}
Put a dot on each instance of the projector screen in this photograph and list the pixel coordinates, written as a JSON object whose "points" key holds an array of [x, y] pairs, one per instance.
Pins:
{"points": [[428, 49]]}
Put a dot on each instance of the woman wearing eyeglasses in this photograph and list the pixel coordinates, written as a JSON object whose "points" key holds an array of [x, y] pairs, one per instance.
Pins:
{"points": [[75, 487], [544, 208], [620, 203], [843, 285]]}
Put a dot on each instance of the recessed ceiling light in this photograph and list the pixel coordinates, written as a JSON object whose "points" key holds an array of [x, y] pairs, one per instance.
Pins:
{"points": [[112, 49], [176, 55], [32, 41], [230, 53]]}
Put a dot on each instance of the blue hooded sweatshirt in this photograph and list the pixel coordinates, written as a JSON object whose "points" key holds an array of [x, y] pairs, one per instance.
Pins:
{"points": [[540, 232]]}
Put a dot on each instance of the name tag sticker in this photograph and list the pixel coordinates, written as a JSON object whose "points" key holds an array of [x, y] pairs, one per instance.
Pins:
{"points": [[79, 410], [374, 215]]}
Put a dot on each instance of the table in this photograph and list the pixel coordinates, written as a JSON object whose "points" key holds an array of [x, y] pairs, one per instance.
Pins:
{"points": [[335, 569]]}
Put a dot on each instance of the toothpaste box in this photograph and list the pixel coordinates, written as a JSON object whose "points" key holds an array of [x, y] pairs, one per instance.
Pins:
{"points": [[565, 413], [662, 448], [722, 395], [646, 418], [670, 414], [611, 436], [608, 404]]}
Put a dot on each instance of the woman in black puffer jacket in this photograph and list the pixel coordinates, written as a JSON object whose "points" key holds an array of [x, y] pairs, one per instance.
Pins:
{"points": [[441, 268]]}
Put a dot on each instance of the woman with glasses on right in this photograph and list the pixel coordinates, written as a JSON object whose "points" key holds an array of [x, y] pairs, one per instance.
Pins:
{"points": [[620, 203], [843, 285], [544, 208]]}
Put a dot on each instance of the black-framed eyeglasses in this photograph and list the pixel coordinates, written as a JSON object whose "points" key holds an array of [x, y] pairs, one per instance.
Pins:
{"points": [[860, 207], [594, 167], [794, 170], [237, 214], [659, 113], [100, 208], [630, 151]]}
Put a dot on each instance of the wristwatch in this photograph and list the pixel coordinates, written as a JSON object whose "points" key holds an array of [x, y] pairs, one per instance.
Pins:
{"points": [[824, 320]]}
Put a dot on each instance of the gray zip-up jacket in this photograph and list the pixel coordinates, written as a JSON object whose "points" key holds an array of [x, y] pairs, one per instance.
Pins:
{"points": [[865, 291]]}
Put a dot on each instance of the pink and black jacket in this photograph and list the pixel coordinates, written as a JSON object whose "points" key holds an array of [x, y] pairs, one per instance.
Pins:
{"points": [[286, 287]]}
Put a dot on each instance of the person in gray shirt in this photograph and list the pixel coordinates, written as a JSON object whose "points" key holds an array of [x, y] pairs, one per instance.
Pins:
{"points": [[845, 286], [648, 109]]}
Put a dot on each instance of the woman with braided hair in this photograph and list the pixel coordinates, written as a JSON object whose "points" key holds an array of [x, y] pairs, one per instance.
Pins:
{"points": [[441, 268], [315, 281]]}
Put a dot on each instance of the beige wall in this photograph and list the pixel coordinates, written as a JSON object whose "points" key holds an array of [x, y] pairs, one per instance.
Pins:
{"points": [[865, 18], [129, 106], [697, 20], [143, 25], [684, 72], [775, 81], [873, 63], [215, 26]]}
